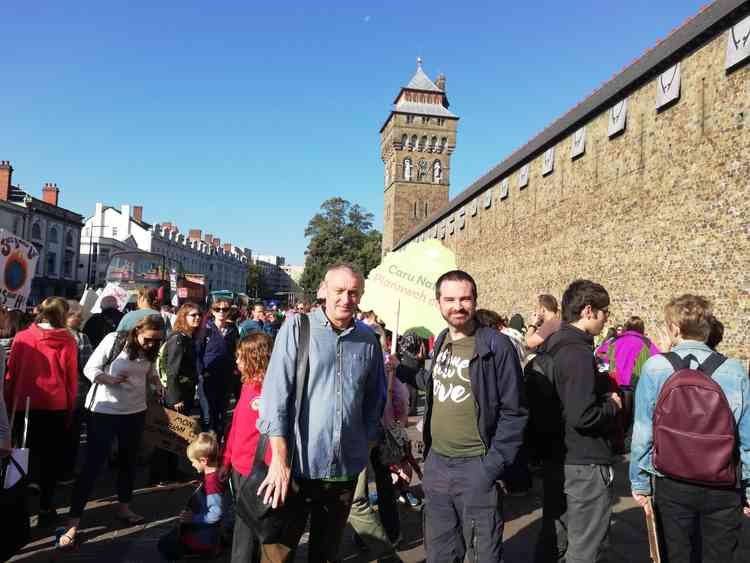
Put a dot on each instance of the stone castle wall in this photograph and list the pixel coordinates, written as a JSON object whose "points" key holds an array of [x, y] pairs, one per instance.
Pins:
{"points": [[658, 210]]}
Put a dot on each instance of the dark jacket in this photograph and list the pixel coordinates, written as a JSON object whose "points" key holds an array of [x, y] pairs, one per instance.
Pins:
{"points": [[215, 352], [101, 324], [587, 414], [496, 383], [180, 369]]}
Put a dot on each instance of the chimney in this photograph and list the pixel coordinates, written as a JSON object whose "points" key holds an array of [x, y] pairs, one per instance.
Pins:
{"points": [[440, 81], [228, 247], [6, 173], [50, 194], [194, 234], [138, 213]]}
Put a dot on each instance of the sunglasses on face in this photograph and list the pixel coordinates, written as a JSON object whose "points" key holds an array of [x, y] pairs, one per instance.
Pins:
{"points": [[221, 309]]}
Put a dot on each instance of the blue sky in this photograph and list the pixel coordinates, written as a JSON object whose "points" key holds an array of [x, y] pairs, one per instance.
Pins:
{"points": [[240, 118]]}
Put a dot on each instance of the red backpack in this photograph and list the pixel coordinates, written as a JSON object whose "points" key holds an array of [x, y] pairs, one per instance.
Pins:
{"points": [[695, 435]]}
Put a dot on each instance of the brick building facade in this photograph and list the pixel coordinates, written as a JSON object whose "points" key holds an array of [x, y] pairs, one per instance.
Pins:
{"points": [[650, 197]]}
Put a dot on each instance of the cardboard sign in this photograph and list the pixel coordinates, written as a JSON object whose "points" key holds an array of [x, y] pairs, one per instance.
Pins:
{"points": [[169, 430], [18, 260]]}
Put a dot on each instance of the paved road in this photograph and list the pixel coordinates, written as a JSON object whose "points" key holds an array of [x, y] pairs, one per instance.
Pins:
{"points": [[104, 540]]}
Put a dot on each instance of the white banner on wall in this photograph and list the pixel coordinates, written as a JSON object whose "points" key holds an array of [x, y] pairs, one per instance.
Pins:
{"points": [[738, 43], [548, 161], [668, 86], [523, 176], [504, 188], [618, 115], [578, 143]]}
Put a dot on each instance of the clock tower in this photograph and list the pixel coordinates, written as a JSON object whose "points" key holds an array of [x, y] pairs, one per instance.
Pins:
{"points": [[416, 143]]}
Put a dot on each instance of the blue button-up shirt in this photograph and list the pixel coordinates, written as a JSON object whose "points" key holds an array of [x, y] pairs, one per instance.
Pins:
{"points": [[343, 402], [733, 380]]}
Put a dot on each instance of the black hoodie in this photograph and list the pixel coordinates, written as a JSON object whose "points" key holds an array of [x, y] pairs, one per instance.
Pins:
{"points": [[587, 414]]}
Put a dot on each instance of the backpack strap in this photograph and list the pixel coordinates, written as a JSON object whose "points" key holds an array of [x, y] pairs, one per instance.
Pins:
{"points": [[711, 363], [676, 361]]}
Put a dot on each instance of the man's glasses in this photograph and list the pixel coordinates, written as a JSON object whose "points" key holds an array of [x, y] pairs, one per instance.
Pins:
{"points": [[220, 309]]}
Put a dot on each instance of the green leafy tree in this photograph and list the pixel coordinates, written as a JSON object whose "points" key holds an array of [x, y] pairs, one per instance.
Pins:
{"points": [[256, 285], [340, 232]]}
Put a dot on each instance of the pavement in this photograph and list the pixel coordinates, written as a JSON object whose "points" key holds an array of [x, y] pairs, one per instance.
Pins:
{"points": [[104, 539]]}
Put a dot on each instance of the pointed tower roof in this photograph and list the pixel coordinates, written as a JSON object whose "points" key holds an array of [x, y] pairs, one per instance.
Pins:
{"points": [[420, 81]]}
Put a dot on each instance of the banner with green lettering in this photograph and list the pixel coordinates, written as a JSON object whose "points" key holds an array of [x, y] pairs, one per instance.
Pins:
{"points": [[405, 281]]}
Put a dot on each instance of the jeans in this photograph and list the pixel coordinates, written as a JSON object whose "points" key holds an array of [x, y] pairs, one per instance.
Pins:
{"points": [[689, 515], [102, 430], [70, 455], [213, 399], [576, 513], [245, 546], [327, 504], [387, 497], [462, 511], [48, 438]]}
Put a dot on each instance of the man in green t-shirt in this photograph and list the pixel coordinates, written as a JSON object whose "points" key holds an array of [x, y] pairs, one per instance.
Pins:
{"points": [[473, 428]]}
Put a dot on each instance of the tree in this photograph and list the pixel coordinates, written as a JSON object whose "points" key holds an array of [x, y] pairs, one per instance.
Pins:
{"points": [[256, 285], [340, 232]]}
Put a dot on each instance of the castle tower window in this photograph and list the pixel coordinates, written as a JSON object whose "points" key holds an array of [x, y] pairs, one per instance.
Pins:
{"points": [[407, 169], [443, 143], [409, 119], [423, 143], [437, 172], [404, 140], [414, 141], [415, 210], [426, 208], [433, 143]]}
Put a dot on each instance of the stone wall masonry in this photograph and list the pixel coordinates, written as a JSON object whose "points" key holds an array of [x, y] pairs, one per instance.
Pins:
{"points": [[660, 210]]}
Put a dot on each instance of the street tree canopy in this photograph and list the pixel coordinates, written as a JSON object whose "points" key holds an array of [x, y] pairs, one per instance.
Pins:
{"points": [[340, 232], [256, 285]]}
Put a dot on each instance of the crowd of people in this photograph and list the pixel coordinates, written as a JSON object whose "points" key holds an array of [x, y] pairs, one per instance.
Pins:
{"points": [[502, 396]]}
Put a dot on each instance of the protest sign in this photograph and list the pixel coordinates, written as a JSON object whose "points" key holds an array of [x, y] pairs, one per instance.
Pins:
{"points": [[121, 294], [169, 430], [18, 260]]}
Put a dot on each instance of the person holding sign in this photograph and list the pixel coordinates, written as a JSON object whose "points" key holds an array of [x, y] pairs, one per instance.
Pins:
{"points": [[43, 366], [120, 372]]}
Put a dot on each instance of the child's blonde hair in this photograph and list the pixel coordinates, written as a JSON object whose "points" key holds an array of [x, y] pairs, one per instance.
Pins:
{"points": [[205, 445]]}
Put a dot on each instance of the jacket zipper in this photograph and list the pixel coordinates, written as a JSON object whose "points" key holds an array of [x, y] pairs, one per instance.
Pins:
{"points": [[476, 404]]}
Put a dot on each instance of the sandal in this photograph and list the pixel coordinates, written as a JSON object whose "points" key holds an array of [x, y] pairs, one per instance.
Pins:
{"points": [[64, 541]]}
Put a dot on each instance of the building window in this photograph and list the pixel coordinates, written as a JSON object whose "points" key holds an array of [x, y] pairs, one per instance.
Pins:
{"points": [[69, 240], [53, 237], [51, 263], [36, 232], [440, 121], [433, 143], [443, 143], [409, 119], [423, 143], [425, 119], [68, 263], [407, 169], [114, 231], [437, 172], [426, 208], [415, 209], [404, 140]]}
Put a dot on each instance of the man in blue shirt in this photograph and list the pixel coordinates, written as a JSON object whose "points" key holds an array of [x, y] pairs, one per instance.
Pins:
{"points": [[257, 323], [341, 407]]}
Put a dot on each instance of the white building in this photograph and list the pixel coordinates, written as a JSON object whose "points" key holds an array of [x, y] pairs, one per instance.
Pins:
{"points": [[111, 229]]}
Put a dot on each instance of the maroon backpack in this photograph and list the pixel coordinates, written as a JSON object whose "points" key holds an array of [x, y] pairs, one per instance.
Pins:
{"points": [[694, 428]]}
